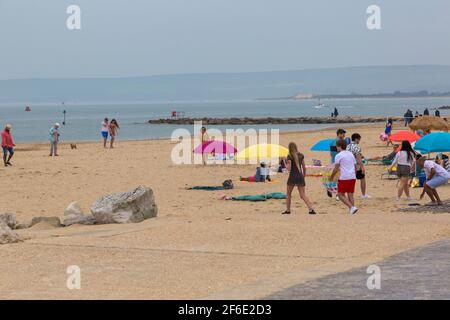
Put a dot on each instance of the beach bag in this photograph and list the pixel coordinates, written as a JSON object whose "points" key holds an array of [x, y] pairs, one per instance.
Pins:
{"points": [[228, 184]]}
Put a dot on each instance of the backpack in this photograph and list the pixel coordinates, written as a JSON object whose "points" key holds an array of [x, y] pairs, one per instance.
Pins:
{"points": [[228, 184]]}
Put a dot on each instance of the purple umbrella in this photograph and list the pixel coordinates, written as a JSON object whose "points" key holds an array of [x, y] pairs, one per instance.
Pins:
{"points": [[216, 147]]}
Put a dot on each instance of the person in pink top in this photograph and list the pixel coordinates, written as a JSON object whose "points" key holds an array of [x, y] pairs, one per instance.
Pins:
{"points": [[7, 145]]}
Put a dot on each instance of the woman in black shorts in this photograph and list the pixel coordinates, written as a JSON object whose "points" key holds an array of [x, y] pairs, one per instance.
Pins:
{"points": [[295, 164]]}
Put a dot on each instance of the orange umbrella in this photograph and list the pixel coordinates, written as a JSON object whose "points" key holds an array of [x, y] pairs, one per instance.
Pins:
{"points": [[404, 136]]}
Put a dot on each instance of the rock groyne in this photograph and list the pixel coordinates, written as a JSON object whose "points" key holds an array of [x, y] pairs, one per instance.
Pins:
{"points": [[270, 120]]}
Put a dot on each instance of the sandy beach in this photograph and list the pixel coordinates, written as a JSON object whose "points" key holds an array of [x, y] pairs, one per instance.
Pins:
{"points": [[198, 246]]}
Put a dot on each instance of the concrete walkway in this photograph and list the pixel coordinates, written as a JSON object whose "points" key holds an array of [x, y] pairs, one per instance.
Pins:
{"points": [[422, 273]]}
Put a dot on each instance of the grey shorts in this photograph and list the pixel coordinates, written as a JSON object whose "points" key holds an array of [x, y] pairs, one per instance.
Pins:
{"points": [[403, 171]]}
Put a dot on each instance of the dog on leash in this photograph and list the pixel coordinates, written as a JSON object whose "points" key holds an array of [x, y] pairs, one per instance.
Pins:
{"points": [[73, 146]]}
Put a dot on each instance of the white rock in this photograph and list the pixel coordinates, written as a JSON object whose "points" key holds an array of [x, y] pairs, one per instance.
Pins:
{"points": [[133, 206], [7, 235], [9, 219], [73, 209]]}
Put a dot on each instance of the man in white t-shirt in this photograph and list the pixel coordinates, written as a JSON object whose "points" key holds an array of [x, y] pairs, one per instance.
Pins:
{"points": [[436, 177], [345, 164]]}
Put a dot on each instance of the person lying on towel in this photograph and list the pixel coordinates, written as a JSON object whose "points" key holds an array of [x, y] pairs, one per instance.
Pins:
{"points": [[262, 174]]}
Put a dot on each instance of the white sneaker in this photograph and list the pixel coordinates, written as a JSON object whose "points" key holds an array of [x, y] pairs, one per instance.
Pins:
{"points": [[353, 210], [337, 198], [366, 196]]}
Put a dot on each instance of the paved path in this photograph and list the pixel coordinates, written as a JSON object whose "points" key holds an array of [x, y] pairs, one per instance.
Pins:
{"points": [[422, 273]]}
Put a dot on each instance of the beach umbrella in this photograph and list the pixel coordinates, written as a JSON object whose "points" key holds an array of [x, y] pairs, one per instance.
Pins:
{"points": [[216, 147], [263, 151], [404, 136], [429, 123], [323, 145], [434, 142]]}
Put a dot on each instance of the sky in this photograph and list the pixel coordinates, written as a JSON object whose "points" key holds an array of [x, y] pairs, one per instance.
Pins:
{"points": [[122, 38]]}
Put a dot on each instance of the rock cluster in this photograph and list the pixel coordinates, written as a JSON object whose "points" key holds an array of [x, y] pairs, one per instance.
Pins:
{"points": [[125, 207], [270, 120]]}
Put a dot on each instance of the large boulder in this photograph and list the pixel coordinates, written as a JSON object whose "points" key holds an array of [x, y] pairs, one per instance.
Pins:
{"points": [[127, 207], [9, 219], [7, 235]]}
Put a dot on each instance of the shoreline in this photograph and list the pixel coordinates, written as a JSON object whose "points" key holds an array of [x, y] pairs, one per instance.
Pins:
{"points": [[354, 125]]}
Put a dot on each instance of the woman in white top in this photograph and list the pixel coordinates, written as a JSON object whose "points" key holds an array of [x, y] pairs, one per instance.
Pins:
{"points": [[405, 162]]}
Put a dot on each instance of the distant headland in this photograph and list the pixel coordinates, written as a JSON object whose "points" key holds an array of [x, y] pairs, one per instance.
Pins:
{"points": [[393, 95]]}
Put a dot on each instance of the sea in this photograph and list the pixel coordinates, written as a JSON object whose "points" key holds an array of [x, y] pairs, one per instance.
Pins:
{"points": [[83, 120]]}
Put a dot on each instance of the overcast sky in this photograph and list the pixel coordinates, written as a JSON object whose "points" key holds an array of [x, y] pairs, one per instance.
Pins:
{"points": [[148, 37]]}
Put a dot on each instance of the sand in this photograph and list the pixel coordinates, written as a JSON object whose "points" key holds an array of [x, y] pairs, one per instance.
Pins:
{"points": [[198, 246]]}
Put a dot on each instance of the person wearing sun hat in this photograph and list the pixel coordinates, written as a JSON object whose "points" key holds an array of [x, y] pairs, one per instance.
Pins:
{"points": [[54, 139], [7, 145]]}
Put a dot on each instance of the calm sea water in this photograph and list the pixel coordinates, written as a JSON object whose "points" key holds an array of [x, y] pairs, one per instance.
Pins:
{"points": [[83, 120]]}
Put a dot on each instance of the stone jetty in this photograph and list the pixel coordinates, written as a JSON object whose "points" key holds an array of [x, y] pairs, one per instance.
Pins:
{"points": [[270, 120]]}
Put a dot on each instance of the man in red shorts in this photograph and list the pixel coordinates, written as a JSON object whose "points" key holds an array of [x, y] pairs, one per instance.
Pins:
{"points": [[345, 164]]}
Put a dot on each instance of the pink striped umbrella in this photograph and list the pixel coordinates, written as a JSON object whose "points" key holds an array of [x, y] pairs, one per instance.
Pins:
{"points": [[216, 147]]}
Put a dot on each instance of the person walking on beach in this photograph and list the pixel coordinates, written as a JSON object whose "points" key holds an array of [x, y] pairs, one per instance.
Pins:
{"points": [[426, 112], [105, 131], [54, 139], [388, 130], [203, 138], [113, 130], [340, 135], [436, 176], [345, 164], [295, 164], [437, 113], [404, 160], [356, 150], [7, 145]]}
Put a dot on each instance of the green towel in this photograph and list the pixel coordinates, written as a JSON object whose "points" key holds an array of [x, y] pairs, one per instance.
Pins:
{"points": [[260, 197]]}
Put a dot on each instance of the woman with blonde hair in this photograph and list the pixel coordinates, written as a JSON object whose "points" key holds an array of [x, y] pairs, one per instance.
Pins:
{"points": [[295, 164]]}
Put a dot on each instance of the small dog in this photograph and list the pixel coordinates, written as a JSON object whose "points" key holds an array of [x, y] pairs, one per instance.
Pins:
{"points": [[73, 146]]}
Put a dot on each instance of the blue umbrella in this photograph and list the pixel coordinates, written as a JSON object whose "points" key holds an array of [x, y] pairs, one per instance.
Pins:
{"points": [[434, 142], [323, 145]]}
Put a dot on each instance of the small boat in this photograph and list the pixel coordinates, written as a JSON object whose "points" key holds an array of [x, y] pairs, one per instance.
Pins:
{"points": [[321, 105], [27, 109]]}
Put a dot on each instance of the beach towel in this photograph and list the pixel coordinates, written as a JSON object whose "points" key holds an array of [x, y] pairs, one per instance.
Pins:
{"points": [[260, 197], [207, 188]]}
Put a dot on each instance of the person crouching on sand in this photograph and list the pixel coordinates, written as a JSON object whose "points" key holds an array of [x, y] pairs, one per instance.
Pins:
{"points": [[54, 139], [7, 145], [345, 164], [295, 164], [436, 176], [105, 131], [113, 129]]}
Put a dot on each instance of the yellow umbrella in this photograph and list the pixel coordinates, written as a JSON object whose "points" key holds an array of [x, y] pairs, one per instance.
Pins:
{"points": [[263, 151]]}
